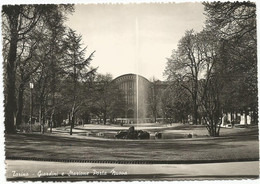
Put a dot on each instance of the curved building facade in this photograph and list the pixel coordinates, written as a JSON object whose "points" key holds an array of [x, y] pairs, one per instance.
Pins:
{"points": [[136, 90]]}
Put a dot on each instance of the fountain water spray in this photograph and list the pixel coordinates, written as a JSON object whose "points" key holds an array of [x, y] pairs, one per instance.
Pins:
{"points": [[136, 62]]}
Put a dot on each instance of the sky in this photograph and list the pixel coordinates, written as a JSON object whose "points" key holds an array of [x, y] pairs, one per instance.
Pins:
{"points": [[134, 38]]}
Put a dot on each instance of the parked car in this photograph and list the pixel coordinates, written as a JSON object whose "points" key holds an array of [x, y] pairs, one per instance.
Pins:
{"points": [[229, 126]]}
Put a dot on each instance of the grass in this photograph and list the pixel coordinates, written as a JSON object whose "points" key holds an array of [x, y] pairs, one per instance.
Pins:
{"points": [[235, 144]]}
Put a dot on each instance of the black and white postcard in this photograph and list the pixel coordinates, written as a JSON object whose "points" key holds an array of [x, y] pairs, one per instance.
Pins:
{"points": [[130, 91]]}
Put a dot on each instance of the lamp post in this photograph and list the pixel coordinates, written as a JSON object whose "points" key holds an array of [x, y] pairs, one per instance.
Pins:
{"points": [[31, 104]]}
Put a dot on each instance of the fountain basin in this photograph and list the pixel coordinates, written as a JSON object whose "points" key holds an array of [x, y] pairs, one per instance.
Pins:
{"points": [[131, 133]]}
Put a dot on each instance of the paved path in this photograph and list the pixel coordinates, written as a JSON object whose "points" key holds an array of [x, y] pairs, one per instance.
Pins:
{"points": [[39, 170]]}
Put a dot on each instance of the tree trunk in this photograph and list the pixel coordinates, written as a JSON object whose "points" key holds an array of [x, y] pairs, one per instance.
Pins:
{"points": [[255, 117], [10, 104], [52, 120], [195, 113], [71, 122], [10, 91], [105, 118], [19, 113], [73, 119], [43, 121], [155, 116], [40, 117]]}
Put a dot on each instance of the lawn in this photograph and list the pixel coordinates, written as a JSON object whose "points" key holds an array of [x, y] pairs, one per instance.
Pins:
{"points": [[233, 145]]}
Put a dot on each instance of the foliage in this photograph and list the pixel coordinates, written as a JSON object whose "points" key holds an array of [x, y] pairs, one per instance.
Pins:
{"points": [[108, 100], [22, 27], [234, 24], [154, 99], [176, 103], [218, 66], [76, 69]]}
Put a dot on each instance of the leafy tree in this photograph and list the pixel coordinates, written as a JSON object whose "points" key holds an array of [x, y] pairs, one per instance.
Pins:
{"points": [[28, 63], [176, 103], [49, 74], [76, 68], [18, 22], [154, 98], [234, 24], [108, 100]]}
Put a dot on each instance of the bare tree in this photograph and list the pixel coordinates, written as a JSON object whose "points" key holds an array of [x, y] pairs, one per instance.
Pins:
{"points": [[211, 84], [231, 19], [186, 66]]}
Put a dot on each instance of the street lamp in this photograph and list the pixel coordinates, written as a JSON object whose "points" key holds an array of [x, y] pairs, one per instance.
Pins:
{"points": [[31, 104]]}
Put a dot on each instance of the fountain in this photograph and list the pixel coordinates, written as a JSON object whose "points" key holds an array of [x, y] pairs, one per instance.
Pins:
{"points": [[131, 133]]}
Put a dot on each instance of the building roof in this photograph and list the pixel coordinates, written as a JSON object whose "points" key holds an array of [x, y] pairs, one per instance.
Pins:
{"points": [[129, 76]]}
